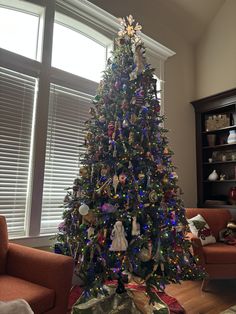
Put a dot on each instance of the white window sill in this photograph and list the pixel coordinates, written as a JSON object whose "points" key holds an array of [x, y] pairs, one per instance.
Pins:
{"points": [[40, 241]]}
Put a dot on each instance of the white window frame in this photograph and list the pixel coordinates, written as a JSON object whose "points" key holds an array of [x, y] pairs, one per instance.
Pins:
{"points": [[104, 23]]}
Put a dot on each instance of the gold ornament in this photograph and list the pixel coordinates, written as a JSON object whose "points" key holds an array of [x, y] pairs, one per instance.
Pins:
{"points": [[153, 197], [165, 180], [83, 172], [133, 118], [115, 182], [131, 137], [141, 175]]}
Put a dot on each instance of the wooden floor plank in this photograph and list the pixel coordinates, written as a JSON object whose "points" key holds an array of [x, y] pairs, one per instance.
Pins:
{"points": [[220, 296]]}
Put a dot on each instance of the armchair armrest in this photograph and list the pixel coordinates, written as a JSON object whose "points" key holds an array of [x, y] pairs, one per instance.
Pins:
{"points": [[41, 267], [47, 269]]}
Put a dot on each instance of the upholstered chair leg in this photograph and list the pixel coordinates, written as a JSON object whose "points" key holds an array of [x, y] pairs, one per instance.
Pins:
{"points": [[205, 284]]}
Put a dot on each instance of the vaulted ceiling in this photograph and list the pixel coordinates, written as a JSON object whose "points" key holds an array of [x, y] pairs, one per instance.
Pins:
{"points": [[187, 17]]}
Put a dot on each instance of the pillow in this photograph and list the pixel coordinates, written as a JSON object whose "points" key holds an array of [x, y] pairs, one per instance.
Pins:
{"points": [[199, 228]]}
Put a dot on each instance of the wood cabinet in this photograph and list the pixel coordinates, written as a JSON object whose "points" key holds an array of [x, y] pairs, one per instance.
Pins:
{"points": [[215, 121]]}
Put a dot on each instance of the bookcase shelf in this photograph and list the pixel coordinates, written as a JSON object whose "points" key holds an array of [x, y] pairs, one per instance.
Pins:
{"points": [[212, 145]]}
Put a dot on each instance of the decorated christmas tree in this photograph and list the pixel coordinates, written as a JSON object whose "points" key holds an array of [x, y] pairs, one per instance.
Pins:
{"points": [[124, 217]]}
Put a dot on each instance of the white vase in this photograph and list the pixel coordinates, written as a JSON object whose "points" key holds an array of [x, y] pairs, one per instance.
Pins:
{"points": [[232, 137], [213, 176]]}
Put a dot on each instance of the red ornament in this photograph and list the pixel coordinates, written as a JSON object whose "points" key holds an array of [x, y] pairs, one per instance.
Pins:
{"points": [[111, 128], [122, 178]]}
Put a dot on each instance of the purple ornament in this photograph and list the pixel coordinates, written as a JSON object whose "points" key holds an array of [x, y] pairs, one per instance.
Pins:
{"points": [[108, 208]]}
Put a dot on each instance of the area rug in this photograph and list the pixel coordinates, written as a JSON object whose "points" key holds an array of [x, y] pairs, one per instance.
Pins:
{"points": [[231, 310], [174, 306]]}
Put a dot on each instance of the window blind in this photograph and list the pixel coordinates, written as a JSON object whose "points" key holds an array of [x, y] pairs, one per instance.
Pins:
{"points": [[68, 110], [17, 94]]}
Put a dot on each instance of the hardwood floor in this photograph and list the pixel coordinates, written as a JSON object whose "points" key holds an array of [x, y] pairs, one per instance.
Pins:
{"points": [[220, 296]]}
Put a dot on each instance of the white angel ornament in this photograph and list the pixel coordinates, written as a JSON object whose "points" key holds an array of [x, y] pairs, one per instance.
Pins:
{"points": [[135, 227], [119, 242]]}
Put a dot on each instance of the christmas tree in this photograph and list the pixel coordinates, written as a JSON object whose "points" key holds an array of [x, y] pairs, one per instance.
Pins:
{"points": [[123, 215]]}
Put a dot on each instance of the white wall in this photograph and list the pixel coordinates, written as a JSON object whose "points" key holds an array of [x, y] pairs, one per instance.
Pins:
{"points": [[216, 53]]}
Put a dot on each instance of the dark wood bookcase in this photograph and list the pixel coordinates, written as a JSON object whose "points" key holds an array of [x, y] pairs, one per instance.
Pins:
{"points": [[215, 118]]}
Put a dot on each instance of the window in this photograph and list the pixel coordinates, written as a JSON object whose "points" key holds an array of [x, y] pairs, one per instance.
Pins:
{"points": [[77, 54], [68, 110], [43, 104], [19, 31], [17, 94]]}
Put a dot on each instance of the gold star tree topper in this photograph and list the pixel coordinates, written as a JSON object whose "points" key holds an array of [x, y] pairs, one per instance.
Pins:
{"points": [[129, 27]]}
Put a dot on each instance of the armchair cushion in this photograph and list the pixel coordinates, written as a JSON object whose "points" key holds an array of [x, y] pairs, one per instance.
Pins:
{"points": [[220, 253], [41, 299], [199, 227]]}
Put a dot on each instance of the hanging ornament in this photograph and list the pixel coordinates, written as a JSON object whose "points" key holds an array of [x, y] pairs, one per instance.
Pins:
{"points": [[101, 119], [108, 208], [130, 166], [148, 177], [141, 175], [133, 118], [119, 242], [105, 170], [115, 182], [90, 232], [83, 209], [92, 173], [166, 151], [153, 197], [92, 111], [66, 199], [165, 179], [124, 105], [174, 175], [125, 123], [102, 234], [149, 156], [131, 137], [101, 188], [122, 178], [89, 218], [114, 151], [117, 85], [83, 172], [139, 58], [145, 254], [88, 137], [135, 227], [110, 128]]}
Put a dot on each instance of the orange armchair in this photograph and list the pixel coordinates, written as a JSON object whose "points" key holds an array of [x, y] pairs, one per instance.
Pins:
{"points": [[218, 259], [41, 278]]}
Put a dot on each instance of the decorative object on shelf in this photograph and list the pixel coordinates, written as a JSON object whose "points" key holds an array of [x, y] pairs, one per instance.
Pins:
{"points": [[216, 122], [233, 156], [223, 157], [210, 160], [213, 176], [222, 177], [234, 118], [232, 137], [232, 195], [211, 139]]}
